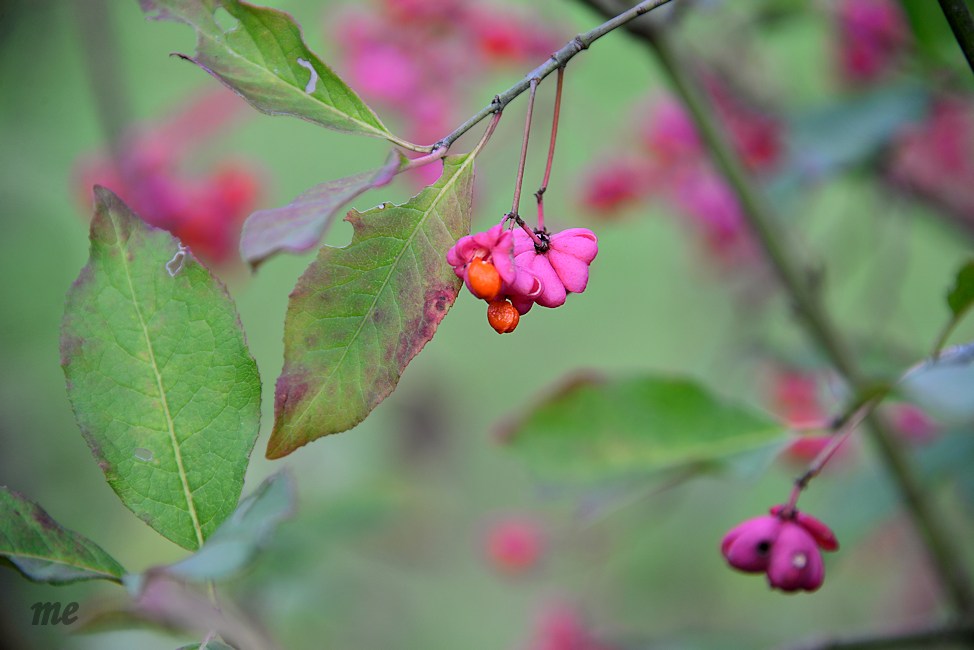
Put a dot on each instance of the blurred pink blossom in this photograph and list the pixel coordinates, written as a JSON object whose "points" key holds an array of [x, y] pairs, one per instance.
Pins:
{"points": [[935, 158], [422, 57], [672, 167], [871, 35], [561, 627], [912, 423], [669, 133], [515, 545], [712, 208], [616, 184], [154, 175]]}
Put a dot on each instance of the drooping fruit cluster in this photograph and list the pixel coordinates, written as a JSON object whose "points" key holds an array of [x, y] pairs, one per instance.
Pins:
{"points": [[513, 270], [785, 545]]}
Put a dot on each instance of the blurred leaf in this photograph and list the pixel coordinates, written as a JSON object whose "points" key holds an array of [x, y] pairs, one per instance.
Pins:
{"points": [[210, 645], [944, 386], [159, 376], [299, 226], [947, 457], [166, 604], [961, 296], [46, 552], [359, 314], [263, 58], [592, 428], [824, 141], [951, 453], [933, 37], [235, 543]]}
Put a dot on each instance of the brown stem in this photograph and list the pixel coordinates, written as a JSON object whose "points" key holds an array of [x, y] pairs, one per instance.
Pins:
{"points": [[557, 60], [516, 205], [539, 195]]}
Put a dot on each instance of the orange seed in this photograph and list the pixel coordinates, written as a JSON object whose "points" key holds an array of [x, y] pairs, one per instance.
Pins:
{"points": [[502, 316], [485, 281]]}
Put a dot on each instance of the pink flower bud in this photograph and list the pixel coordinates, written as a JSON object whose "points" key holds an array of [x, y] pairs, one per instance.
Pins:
{"points": [[786, 545], [748, 545], [795, 563]]}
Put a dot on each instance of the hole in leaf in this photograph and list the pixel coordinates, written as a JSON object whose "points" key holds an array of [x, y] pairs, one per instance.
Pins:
{"points": [[224, 20]]}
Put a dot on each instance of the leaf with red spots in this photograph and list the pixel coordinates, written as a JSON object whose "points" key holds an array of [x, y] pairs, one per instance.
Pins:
{"points": [[359, 314], [159, 376], [44, 551]]}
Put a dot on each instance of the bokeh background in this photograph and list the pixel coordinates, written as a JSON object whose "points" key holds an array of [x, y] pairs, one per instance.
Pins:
{"points": [[391, 544]]}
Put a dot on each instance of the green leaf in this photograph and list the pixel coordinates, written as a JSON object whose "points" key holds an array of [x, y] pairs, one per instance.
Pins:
{"points": [[601, 428], [159, 376], [299, 226], [263, 58], [826, 140], [359, 314], [933, 38], [961, 295], [43, 550], [235, 543], [945, 385]]}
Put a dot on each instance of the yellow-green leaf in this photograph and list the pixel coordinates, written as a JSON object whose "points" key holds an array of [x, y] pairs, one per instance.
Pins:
{"points": [[159, 376]]}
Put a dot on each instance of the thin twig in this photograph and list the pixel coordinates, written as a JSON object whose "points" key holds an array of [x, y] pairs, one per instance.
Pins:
{"points": [[844, 426], [557, 60], [795, 279], [516, 204], [539, 195]]}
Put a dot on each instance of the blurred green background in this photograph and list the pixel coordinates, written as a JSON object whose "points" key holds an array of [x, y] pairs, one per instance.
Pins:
{"points": [[387, 547]]}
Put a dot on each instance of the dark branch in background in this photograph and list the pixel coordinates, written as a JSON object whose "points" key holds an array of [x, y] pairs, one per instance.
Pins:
{"points": [[557, 60], [961, 23], [99, 44], [797, 282], [932, 637]]}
